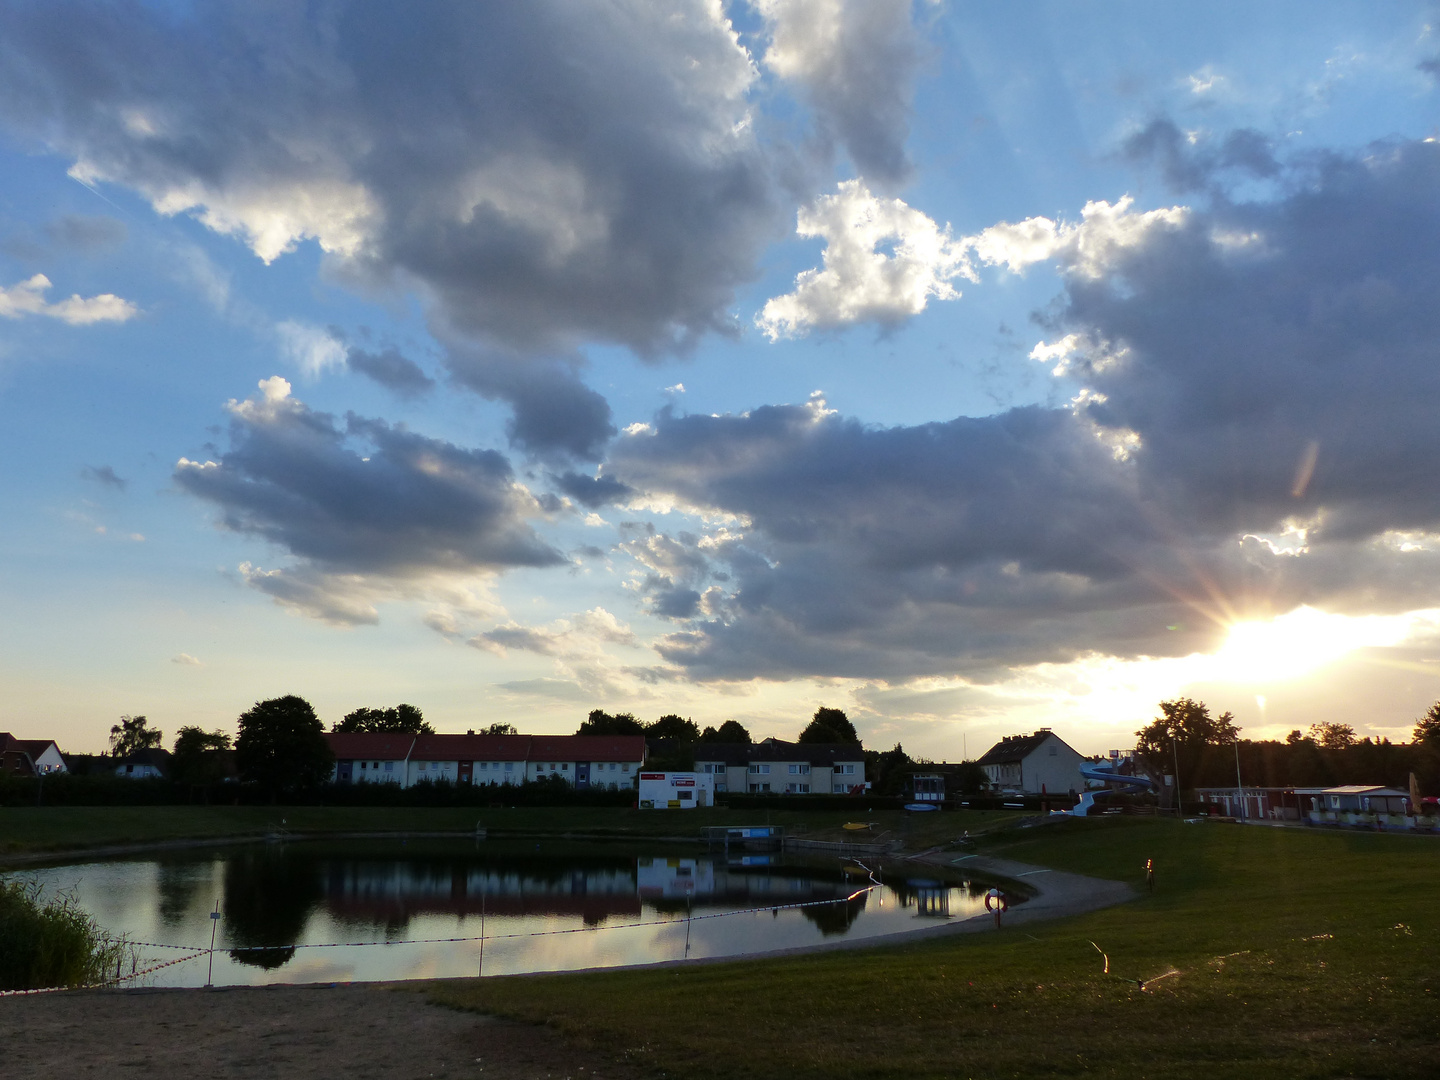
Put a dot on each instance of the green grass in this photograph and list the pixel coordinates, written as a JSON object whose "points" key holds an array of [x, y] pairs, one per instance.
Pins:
{"points": [[1295, 953], [49, 941], [30, 830]]}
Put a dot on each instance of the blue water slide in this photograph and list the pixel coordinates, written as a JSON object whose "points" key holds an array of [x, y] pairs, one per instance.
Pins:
{"points": [[1105, 772]]}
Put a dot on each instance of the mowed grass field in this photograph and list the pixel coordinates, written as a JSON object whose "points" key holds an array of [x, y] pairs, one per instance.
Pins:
{"points": [[1264, 952]]}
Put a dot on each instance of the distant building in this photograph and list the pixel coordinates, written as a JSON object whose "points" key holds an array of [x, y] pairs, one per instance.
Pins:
{"points": [[29, 757], [1032, 764], [148, 764], [777, 767], [584, 761], [675, 790]]}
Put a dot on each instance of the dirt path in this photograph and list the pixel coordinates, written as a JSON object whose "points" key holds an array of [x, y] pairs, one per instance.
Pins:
{"points": [[290, 1032]]}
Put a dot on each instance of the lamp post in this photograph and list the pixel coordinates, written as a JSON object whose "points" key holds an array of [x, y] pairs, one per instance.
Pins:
{"points": [[1239, 784]]}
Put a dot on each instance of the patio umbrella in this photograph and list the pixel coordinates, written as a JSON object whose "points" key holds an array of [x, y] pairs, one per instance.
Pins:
{"points": [[1414, 794]]}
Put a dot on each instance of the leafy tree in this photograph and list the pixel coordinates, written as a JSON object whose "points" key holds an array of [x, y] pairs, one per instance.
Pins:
{"points": [[133, 733], [1333, 736], [602, 723], [1296, 738], [731, 731], [830, 726], [400, 720], [499, 728], [282, 747], [196, 759], [887, 770], [1427, 728], [1184, 730], [674, 727]]}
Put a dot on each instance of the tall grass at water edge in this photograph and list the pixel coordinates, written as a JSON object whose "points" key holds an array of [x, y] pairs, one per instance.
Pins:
{"points": [[51, 942]]}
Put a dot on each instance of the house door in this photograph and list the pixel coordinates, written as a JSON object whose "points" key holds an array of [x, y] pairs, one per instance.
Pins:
{"points": [[466, 768], [582, 774], [342, 774]]}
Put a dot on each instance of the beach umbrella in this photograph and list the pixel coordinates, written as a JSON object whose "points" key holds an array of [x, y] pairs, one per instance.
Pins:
{"points": [[1414, 794]]}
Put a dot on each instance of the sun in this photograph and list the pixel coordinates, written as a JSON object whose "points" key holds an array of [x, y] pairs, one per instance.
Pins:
{"points": [[1300, 642]]}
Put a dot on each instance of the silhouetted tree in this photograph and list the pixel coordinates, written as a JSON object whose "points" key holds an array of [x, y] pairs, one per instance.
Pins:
{"points": [[1184, 730], [1427, 728], [674, 727], [196, 760], [133, 733], [830, 726], [400, 720], [281, 746], [731, 731], [500, 728], [1333, 736], [600, 722]]}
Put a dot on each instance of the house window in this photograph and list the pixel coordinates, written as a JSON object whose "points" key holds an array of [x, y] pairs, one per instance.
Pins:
{"points": [[799, 770], [509, 765], [1053, 750], [564, 766], [760, 768], [389, 766], [624, 768]]}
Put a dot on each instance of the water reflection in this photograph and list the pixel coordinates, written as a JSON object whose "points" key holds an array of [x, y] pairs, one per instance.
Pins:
{"points": [[420, 907]]}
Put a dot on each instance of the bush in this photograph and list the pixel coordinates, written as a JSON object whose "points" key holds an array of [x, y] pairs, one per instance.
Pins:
{"points": [[52, 943]]}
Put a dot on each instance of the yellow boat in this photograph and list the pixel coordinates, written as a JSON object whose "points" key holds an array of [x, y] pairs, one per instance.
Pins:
{"points": [[858, 826]]}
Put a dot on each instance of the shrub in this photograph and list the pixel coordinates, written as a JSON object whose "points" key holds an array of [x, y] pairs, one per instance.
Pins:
{"points": [[51, 943]]}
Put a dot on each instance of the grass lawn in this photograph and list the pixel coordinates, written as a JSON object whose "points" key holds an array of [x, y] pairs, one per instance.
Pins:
{"points": [[29, 829], [1266, 953]]}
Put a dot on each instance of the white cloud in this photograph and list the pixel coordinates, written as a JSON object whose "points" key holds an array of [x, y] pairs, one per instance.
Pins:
{"points": [[1088, 248], [186, 660], [312, 349], [28, 298], [860, 282]]}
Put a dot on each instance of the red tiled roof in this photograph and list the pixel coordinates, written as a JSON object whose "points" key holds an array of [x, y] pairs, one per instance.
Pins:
{"points": [[349, 746], [588, 747], [471, 747]]}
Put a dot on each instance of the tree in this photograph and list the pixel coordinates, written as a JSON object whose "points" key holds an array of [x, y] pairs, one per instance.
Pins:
{"points": [[196, 759], [133, 734], [830, 726], [1427, 728], [674, 727], [1333, 736], [731, 731], [500, 728], [1184, 730], [282, 747], [400, 720], [887, 770], [602, 723]]}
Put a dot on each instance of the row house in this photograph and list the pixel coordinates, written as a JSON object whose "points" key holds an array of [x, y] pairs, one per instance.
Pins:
{"points": [[584, 761], [785, 768], [29, 757]]}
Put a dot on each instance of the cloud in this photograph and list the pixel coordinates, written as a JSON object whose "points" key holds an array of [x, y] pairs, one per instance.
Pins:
{"points": [[184, 659], [28, 298], [312, 349], [86, 233], [855, 61], [1221, 355], [391, 369], [366, 509], [576, 645], [591, 491], [103, 475], [861, 282], [543, 174]]}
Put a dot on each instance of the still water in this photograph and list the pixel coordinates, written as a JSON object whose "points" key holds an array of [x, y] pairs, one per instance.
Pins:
{"points": [[375, 910]]}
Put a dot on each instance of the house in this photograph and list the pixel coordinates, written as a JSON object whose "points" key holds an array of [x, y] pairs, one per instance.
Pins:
{"points": [[585, 761], [29, 757], [1033, 764], [588, 761], [925, 787], [775, 766], [370, 757], [152, 763]]}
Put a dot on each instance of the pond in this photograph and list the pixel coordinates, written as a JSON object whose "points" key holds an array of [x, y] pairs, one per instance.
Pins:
{"points": [[391, 909]]}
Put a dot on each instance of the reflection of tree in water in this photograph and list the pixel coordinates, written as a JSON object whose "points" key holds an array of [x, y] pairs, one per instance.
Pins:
{"points": [[837, 918], [178, 884], [268, 899]]}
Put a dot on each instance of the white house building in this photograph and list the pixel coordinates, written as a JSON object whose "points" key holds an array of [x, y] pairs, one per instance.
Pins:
{"points": [[1033, 764], [585, 761], [785, 768], [30, 757]]}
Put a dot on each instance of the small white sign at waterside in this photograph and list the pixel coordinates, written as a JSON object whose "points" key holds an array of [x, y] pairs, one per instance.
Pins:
{"points": [[676, 790]]}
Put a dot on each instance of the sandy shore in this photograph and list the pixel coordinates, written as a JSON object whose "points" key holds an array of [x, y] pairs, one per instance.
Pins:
{"points": [[378, 1030]]}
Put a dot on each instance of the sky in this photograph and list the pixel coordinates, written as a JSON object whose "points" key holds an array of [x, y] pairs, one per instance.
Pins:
{"points": [[968, 367]]}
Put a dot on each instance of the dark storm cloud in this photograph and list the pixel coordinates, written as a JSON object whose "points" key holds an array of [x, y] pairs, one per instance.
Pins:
{"points": [[551, 173], [366, 498], [1257, 432], [1190, 165], [390, 368]]}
